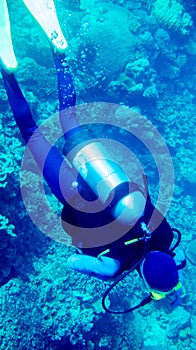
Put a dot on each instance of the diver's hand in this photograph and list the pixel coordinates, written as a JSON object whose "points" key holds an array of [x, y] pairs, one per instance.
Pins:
{"points": [[102, 268]]}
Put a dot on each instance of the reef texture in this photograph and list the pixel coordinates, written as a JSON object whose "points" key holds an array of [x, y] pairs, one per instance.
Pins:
{"points": [[138, 53]]}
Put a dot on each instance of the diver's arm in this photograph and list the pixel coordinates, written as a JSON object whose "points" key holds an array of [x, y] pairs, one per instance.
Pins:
{"points": [[103, 267]]}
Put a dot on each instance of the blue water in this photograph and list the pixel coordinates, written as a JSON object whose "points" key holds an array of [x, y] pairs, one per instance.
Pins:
{"points": [[135, 53]]}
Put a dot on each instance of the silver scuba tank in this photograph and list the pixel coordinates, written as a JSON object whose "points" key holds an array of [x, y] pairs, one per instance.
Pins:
{"points": [[103, 176], [96, 167]]}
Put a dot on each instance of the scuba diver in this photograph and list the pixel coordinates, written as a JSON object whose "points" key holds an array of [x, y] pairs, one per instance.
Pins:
{"points": [[142, 247]]}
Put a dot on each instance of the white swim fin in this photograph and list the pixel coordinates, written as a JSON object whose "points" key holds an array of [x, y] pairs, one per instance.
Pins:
{"points": [[45, 13], [7, 55]]}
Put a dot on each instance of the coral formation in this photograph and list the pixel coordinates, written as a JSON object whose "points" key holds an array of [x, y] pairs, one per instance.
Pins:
{"points": [[4, 225], [171, 14], [6, 168], [191, 252], [7, 250]]}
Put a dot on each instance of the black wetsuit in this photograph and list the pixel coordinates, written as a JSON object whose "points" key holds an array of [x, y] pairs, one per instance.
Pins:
{"points": [[128, 255], [51, 162]]}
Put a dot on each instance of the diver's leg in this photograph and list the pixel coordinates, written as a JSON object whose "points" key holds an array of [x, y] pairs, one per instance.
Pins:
{"points": [[67, 94], [50, 162], [19, 106], [66, 90]]}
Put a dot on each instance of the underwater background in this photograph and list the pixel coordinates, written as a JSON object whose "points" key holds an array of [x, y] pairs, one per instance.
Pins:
{"points": [[138, 53]]}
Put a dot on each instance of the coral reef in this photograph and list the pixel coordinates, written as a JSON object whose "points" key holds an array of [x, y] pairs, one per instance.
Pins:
{"points": [[7, 250], [139, 53], [6, 168], [191, 252], [4, 225], [171, 14]]}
